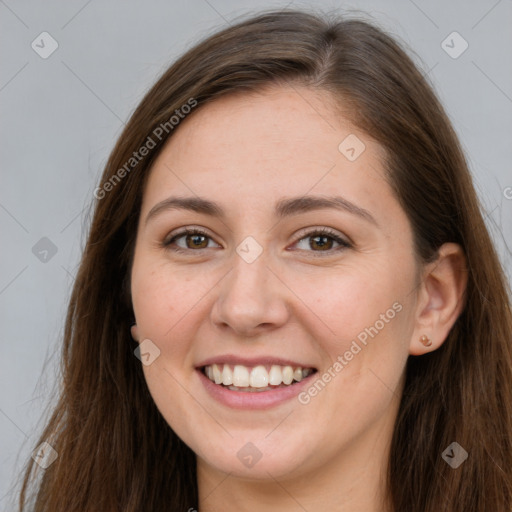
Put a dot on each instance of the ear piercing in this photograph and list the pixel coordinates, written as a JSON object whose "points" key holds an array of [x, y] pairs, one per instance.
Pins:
{"points": [[426, 340]]}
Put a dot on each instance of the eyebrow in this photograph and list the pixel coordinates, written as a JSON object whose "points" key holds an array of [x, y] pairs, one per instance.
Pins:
{"points": [[284, 207]]}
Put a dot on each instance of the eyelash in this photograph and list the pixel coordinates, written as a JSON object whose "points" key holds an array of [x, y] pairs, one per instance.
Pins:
{"points": [[344, 244]]}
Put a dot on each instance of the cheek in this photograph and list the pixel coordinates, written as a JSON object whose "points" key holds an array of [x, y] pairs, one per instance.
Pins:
{"points": [[163, 302], [160, 296], [362, 384], [154, 304], [361, 321], [347, 301], [169, 305], [157, 309]]}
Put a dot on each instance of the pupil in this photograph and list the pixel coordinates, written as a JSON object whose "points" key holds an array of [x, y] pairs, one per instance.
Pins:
{"points": [[195, 239], [320, 237]]}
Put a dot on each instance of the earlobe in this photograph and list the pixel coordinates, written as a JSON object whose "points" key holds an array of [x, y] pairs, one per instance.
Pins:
{"points": [[441, 299], [426, 340], [135, 332]]}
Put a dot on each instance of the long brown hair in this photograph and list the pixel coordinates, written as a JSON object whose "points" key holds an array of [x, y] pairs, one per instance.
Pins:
{"points": [[117, 453]]}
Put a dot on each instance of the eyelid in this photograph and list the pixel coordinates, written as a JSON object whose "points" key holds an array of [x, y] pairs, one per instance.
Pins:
{"points": [[187, 230], [315, 230]]}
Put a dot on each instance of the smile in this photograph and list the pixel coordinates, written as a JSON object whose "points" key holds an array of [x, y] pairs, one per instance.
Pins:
{"points": [[256, 385], [255, 379]]}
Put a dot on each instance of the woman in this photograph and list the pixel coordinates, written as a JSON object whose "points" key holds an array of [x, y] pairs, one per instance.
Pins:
{"points": [[288, 299]]}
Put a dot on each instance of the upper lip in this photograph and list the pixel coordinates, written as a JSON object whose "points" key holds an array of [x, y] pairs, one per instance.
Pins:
{"points": [[251, 361]]}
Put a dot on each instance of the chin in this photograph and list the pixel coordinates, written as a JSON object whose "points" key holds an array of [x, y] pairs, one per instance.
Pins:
{"points": [[255, 461]]}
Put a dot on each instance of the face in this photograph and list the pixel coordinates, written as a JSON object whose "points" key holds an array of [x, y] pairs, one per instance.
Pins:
{"points": [[273, 282]]}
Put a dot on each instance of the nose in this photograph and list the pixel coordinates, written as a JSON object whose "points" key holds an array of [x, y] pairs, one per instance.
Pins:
{"points": [[252, 299]]}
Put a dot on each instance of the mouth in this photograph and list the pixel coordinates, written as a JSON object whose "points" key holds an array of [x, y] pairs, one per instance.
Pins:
{"points": [[255, 379]]}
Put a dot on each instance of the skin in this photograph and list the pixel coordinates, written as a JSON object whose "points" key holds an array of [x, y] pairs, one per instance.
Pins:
{"points": [[246, 152]]}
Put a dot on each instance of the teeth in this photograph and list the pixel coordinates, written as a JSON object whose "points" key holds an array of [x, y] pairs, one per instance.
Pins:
{"points": [[240, 376], [255, 379], [227, 375], [287, 375], [275, 375], [217, 376], [259, 377]]}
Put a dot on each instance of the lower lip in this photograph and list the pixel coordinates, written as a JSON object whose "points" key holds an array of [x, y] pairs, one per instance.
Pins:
{"points": [[252, 400]]}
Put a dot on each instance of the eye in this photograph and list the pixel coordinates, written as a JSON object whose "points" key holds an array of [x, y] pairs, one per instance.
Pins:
{"points": [[195, 238], [322, 239]]}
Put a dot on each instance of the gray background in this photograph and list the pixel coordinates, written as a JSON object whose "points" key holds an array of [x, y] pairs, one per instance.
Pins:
{"points": [[61, 116]]}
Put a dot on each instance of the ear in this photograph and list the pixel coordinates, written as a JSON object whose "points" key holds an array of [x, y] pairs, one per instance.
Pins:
{"points": [[440, 298], [135, 332]]}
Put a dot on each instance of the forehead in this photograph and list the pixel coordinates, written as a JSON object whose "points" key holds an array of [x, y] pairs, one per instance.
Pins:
{"points": [[247, 148], [271, 126]]}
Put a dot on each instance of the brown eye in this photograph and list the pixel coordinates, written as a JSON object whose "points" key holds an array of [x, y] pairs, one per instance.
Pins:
{"points": [[195, 239], [321, 241]]}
